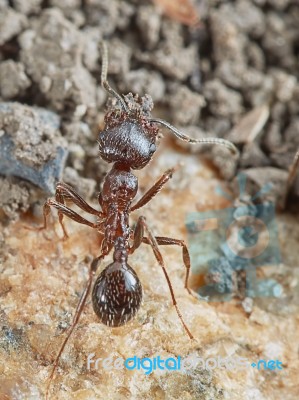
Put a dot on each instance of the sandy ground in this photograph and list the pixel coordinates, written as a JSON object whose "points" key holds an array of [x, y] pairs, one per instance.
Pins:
{"points": [[233, 75]]}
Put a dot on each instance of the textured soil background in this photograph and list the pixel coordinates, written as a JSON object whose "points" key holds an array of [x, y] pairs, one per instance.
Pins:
{"points": [[217, 68]]}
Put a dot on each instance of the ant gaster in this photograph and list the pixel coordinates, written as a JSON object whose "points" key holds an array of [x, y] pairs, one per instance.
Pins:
{"points": [[128, 141]]}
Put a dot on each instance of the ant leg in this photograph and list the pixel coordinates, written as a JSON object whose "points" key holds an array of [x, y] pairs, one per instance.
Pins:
{"points": [[138, 235], [154, 189], [165, 241], [63, 210], [92, 270], [46, 212], [65, 192]]}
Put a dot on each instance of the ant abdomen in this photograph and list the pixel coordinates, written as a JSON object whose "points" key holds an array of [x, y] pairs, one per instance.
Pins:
{"points": [[117, 294]]}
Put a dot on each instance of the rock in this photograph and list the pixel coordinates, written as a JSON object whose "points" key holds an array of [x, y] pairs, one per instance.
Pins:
{"points": [[27, 6], [53, 61], [13, 79], [11, 24], [185, 105], [222, 101], [14, 197], [31, 145]]}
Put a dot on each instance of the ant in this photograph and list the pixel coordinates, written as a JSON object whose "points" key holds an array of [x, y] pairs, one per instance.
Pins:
{"points": [[128, 141]]}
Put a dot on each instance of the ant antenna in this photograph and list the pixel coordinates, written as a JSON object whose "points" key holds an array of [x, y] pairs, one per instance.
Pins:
{"points": [[180, 135], [104, 81]]}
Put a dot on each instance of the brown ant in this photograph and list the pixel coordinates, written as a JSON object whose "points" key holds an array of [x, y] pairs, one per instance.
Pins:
{"points": [[128, 141]]}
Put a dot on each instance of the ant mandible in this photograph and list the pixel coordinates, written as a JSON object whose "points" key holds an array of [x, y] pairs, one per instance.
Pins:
{"points": [[128, 141]]}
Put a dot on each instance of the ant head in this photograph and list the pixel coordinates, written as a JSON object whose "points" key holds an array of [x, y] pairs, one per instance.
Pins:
{"points": [[130, 133], [129, 138]]}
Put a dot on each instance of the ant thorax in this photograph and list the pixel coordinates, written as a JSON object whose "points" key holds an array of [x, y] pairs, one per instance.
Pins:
{"points": [[119, 188]]}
